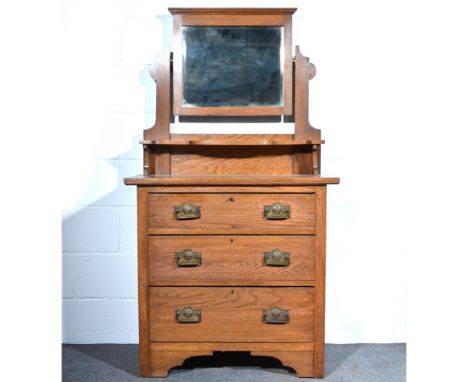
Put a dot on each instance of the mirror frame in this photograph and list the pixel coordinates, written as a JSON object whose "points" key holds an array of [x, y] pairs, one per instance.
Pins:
{"points": [[281, 17]]}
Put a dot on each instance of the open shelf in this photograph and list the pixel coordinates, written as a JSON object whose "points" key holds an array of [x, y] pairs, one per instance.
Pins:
{"points": [[232, 140], [226, 143]]}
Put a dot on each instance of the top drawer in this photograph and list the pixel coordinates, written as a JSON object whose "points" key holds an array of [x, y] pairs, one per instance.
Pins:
{"points": [[232, 213]]}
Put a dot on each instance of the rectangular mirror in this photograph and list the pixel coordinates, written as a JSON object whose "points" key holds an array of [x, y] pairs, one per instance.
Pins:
{"points": [[232, 66]]}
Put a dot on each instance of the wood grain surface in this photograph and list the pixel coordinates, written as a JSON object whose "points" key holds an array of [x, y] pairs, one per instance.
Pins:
{"points": [[239, 213], [164, 360], [157, 160], [319, 354], [230, 140], [232, 11], [234, 346], [226, 258], [232, 314], [166, 355], [301, 361], [232, 190], [231, 180], [232, 160], [143, 291]]}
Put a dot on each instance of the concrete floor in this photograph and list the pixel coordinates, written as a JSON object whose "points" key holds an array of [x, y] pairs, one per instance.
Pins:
{"points": [[344, 363]]}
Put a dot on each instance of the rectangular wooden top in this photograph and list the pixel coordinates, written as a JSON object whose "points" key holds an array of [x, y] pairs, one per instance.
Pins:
{"points": [[231, 180], [234, 11]]}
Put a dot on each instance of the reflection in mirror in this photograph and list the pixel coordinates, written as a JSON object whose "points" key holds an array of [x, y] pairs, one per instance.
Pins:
{"points": [[232, 66]]}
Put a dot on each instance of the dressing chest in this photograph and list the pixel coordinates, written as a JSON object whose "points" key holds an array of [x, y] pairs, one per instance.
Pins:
{"points": [[231, 228]]}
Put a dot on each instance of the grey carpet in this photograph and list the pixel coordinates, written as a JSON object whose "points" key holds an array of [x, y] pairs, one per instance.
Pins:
{"points": [[344, 363]]}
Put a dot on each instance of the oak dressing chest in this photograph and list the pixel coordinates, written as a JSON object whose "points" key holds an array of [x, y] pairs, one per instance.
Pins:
{"points": [[231, 228]]}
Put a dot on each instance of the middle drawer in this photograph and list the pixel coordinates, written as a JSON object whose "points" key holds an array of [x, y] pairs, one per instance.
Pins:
{"points": [[223, 258]]}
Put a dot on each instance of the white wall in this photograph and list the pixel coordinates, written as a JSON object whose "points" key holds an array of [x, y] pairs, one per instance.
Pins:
{"points": [[358, 99]]}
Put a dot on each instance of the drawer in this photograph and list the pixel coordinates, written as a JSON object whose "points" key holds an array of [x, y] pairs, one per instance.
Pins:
{"points": [[231, 314], [225, 258], [232, 213]]}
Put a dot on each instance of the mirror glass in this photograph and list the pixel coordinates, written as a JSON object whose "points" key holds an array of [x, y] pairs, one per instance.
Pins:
{"points": [[232, 66]]}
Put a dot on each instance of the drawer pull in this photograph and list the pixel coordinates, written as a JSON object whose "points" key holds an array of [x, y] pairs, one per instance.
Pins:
{"points": [[188, 315], [188, 258], [275, 316], [276, 258], [187, 211], [276, 211]]}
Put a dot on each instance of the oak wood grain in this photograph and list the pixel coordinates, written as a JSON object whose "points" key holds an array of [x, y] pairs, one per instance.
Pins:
{"points": [[164, 360], [236, 139], [232, 189], [143, 282], [319, 329], [234, 19], [234, 346], [162, 76], [304, 72], [232, 314], [225, 258], [236, 212], [232, 231], [231, 180], [234, 282], [304, 158], [221, 141], [167, 355], [231, 11], [232, 160], [157, 159], [301, 361]]}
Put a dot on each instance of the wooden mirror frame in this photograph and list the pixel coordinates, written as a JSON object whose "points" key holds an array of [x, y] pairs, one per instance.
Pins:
{"points": [[281, 17]]}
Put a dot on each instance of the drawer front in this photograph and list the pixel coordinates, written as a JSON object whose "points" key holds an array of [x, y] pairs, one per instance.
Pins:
{"points": [[232, 314], [232, 213], [225, 258]]}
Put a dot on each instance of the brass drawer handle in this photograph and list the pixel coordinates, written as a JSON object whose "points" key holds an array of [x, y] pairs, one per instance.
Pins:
{"points": [[276, 211], [188, 258], [188, 315], [276, 258], [187, 211], [275, 316]]}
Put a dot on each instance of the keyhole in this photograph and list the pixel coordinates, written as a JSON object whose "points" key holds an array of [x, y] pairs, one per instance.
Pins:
{"points": [[232, 240], [231, 199]]}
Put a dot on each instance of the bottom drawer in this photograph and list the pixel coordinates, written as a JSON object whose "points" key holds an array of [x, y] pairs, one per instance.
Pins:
{"points": [[231, 314]]}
